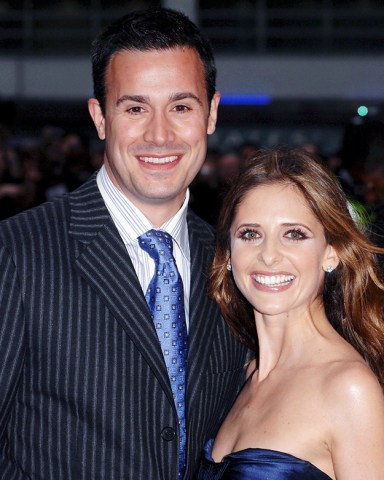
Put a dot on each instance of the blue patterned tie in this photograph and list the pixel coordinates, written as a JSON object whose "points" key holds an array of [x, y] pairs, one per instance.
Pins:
{"points": [[165, 297]]}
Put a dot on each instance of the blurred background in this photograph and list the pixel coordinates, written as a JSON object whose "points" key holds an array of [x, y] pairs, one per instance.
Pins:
{"points": [[305, 72]]}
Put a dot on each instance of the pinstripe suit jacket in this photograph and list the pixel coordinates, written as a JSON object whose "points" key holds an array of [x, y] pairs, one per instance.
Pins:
{"points": [[84, 392]]}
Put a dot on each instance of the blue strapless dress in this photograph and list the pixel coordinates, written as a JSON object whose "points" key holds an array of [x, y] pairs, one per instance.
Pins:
{"points": [[257, 464]]}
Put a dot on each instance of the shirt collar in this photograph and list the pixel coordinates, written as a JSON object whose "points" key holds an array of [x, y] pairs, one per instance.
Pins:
{"points": [[131, 222]]}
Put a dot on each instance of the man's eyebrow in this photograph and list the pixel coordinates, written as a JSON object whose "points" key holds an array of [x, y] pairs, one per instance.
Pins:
{"points": [[132, 98], [183, 96], [174, 97]]}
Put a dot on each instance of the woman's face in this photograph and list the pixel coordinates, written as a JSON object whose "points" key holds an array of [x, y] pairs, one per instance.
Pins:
{"points": [[278, 250]]}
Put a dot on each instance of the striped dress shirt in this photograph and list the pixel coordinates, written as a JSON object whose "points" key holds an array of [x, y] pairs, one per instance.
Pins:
{"points": [[131, 223]]}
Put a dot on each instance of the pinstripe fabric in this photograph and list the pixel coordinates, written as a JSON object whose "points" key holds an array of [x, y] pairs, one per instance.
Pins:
{"points": [[131, 223], [84, 392]]}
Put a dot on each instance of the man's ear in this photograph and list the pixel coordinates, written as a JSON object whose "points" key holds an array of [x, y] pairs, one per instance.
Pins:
{"points": [[97, 115], [213, 113]]}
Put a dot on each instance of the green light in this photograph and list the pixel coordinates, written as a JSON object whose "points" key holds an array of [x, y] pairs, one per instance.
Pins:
{"points": [[362, 110]]}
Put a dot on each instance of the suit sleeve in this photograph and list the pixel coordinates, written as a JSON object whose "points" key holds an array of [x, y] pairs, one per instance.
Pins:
{"points": [[12, 334]]}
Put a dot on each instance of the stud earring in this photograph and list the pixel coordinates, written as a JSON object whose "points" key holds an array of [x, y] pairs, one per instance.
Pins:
{"points": [[329, 269], [229, 267]]}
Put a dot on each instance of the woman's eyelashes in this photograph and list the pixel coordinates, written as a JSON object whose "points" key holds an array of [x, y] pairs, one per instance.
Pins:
{"points": [[296, 234], [250, 234]]}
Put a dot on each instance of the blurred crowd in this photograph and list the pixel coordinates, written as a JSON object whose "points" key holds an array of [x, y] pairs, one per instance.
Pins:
{"points": [[358, 164], [34, 169]]}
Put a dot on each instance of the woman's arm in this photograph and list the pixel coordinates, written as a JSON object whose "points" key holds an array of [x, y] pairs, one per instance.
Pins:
{"points": [[357, 445]]}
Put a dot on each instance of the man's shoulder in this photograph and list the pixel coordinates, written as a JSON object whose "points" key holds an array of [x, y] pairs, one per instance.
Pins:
{"points": [[48, 216], [201, 227]]}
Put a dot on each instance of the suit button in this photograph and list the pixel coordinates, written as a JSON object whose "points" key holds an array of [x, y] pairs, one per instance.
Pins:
{"points": [[168, 434]]}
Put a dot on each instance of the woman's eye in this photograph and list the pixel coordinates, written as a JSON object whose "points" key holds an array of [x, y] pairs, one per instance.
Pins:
{"points": [[296, 234], [249, 235]]}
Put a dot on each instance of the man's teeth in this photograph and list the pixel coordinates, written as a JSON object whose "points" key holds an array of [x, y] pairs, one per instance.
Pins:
{"points": [[158, 160], [274, 280]]}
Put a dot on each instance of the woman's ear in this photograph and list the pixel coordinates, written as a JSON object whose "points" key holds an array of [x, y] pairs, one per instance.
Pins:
{"points": [[331, 259]]}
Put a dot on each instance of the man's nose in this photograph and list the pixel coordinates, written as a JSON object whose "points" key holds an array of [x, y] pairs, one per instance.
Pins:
{"points": [[159, 129]]}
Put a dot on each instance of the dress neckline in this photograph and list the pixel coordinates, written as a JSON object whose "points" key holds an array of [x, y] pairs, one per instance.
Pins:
{"points": [[261, 452]]}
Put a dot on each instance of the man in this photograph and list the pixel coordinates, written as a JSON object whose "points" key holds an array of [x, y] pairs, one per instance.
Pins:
{"points": [[85, 391]]}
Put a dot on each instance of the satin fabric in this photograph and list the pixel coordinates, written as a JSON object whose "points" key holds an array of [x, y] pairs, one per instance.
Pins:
{"points": [[257, 464]]}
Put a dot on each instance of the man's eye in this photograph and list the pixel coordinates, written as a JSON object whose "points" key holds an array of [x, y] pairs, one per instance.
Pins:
{"points": [[181, 108], [135, 110]]}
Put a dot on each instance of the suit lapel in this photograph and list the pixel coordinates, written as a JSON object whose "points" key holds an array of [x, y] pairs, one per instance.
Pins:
{"points": [[104, 263], [102, 260], [203, 312]]}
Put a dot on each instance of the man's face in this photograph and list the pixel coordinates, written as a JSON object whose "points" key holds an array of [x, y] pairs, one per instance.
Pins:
{"points": [[155, 124]]}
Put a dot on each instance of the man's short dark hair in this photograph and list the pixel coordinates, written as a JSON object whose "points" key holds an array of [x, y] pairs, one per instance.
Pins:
{"points": [[151, 29]]}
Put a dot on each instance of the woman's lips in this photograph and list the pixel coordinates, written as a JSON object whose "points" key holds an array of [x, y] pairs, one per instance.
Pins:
{"points": [[272, 283]]}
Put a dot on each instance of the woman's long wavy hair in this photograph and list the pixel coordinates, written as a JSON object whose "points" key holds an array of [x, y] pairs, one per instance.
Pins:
{"points": [[353, 294]]}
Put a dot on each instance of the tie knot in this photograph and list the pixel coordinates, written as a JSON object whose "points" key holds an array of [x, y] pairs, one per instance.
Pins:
{"points": [[158, 244]]}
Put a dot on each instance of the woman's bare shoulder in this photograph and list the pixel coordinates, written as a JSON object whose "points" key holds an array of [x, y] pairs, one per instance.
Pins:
{"points": [[354, 407], [350, 377], [250, 368], [352, 394]]}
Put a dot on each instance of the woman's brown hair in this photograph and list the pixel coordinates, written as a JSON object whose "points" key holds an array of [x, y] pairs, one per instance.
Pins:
{"points": [[353, 293]]}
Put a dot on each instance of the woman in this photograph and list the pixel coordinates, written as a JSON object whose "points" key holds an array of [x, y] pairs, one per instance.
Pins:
{"points": [[298, 282]]}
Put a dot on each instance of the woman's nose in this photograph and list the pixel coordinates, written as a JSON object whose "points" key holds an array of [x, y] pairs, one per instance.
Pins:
{"points": [[269, 252]]}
